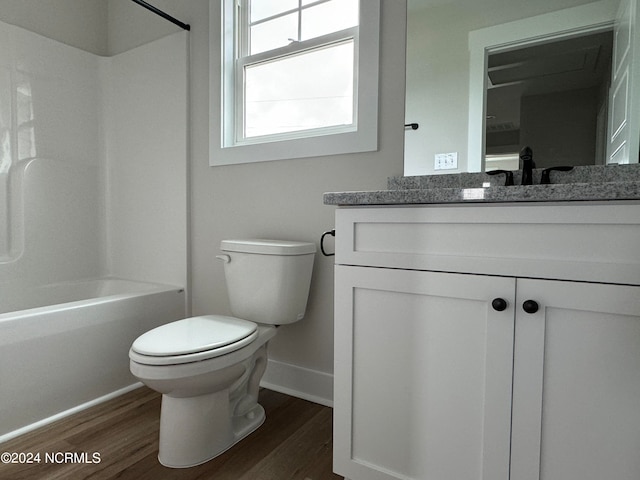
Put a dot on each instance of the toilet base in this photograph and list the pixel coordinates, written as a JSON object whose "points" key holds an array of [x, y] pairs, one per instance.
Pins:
{"points": [[197, 429]]}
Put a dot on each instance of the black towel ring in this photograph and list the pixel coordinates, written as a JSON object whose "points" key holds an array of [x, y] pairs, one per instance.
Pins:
{"points": [[333, 234]]}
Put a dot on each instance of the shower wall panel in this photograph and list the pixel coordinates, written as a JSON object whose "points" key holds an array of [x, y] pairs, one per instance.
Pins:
{"points": [[93, 161], [51, 209], [145, 98]]}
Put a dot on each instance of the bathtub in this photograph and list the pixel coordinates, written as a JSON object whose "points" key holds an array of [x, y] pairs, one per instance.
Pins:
{"points": [[69, 350]]}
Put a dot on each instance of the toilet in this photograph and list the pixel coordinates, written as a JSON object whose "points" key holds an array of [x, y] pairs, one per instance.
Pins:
{"points": [[208, 368]]}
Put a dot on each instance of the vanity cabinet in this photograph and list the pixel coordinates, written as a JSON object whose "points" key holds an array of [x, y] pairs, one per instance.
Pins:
{"points": [[495, 342]]}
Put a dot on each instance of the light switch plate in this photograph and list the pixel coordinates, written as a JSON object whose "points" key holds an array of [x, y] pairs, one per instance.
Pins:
{"points": [[446, 161]]}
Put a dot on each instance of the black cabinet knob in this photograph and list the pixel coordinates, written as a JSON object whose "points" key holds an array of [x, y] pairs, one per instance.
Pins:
{"points": [[499, 304], [530, 306]]}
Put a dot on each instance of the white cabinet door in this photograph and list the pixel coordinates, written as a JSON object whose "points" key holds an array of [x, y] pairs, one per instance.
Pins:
{"points": [[423, 375], [576, 397]]}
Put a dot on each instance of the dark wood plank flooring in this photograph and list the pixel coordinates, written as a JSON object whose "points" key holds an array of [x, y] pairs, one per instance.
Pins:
{"points": [[295, 443]]}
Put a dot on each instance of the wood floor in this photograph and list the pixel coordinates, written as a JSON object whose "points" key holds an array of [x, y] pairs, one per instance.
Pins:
{"points": [[294, 443]]}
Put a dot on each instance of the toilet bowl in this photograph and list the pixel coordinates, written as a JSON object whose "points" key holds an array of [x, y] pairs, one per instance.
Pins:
{"points": [[210, 396], [208, 368]]}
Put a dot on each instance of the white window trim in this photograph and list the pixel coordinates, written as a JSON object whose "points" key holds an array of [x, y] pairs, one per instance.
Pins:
{"points": [[362, 138]]}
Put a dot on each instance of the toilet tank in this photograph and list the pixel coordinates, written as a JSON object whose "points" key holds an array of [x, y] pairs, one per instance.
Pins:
{"points": [[268, 280]]}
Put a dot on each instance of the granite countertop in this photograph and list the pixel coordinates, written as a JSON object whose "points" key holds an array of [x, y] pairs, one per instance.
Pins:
{"points": [[589, 183]]}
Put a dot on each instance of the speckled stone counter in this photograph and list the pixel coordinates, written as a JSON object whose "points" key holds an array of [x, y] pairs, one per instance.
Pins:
{"points": [[590, 183]]}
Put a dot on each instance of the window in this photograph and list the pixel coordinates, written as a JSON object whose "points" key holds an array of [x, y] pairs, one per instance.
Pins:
{"points": [[293, 73]]}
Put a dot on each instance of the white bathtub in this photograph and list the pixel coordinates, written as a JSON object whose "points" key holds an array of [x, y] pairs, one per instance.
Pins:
{"points": [[73, 353]]}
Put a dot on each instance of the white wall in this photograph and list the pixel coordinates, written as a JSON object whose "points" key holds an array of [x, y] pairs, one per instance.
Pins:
{"points": [[79, 23], [280, 199], [130, 25], [437, 88]]}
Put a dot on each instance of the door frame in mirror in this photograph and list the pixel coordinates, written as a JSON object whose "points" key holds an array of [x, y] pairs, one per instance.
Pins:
{"points": [[561, 25]]}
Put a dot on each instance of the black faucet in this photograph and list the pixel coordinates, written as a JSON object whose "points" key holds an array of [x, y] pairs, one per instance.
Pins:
{"points": [[526, 156]]}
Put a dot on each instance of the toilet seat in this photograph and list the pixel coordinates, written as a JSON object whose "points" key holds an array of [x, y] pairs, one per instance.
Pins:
{"points": [[193, 339]]}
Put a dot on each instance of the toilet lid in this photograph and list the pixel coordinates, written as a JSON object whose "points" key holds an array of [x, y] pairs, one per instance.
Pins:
{"points": [[193, 335]]}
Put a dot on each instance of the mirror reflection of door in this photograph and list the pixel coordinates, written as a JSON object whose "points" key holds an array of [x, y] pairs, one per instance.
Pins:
{"points": [[623, 142], [553, 97]]}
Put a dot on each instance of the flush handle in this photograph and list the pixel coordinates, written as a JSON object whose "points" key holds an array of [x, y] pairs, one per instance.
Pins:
{"points": [[224, 258]]}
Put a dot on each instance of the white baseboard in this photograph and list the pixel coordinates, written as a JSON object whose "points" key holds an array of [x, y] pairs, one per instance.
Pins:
{"points": [[299, 382], [66, 413]]}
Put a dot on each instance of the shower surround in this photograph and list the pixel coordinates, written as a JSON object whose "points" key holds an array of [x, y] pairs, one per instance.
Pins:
{"points": [[93, 186]]}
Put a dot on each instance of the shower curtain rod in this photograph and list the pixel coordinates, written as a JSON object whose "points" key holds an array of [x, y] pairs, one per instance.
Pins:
{"points": [[164, 15]]}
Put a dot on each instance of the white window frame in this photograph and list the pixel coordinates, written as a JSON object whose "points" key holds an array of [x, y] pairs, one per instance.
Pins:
{"points": [[362, 136]]}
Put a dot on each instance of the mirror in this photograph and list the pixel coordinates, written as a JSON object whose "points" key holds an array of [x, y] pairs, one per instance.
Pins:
{"points": [[543, 73], [552, 96]]}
